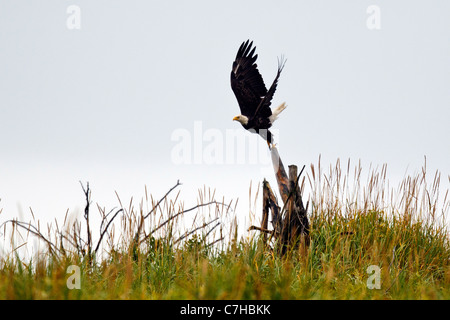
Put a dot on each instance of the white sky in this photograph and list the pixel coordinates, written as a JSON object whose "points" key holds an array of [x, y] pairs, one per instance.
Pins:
{"points": [[100, 104]]}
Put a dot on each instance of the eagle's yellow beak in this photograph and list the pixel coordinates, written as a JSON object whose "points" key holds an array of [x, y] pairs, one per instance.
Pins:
{"points": [[236, 118]]}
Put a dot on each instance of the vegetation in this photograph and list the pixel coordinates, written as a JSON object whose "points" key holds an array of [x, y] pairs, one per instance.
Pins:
{"points": [[353, 226]]}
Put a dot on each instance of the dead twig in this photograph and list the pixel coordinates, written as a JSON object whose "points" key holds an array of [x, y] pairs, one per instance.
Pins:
{"points": [[178, 214], [35, 231], [102, 233], [141, 223], [87, 193], [261, 229], [214, 242], [187, 234]]}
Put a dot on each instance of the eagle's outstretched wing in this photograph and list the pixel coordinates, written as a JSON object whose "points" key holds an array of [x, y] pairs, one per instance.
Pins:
{"points": [[263, 109], [246, 81]]}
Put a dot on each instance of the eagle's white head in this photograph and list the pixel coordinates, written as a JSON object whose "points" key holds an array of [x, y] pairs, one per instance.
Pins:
{"points": [[242, 119]]}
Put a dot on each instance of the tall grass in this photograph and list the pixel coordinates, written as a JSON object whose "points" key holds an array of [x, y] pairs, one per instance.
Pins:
{"points": [[162, 250]]}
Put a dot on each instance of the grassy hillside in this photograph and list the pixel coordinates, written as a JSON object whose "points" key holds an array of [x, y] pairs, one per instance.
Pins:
{"points": [[356, 229]]}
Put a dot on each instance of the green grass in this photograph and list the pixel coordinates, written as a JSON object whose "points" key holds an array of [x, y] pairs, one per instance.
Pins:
{"points": [[404, 239]]}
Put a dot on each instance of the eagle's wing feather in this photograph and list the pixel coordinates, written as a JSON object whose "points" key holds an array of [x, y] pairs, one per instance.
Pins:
{"points": [[246, 81], [263, 109]]}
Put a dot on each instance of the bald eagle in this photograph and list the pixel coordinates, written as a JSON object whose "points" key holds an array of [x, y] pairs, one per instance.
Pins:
{"points": [[251, 93]]}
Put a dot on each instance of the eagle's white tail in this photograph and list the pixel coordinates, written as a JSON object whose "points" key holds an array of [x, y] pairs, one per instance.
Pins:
{"points": [[276, 112]]}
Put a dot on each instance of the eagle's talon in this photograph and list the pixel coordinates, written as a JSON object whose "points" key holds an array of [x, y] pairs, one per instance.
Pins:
{"points": [[271, 145]]}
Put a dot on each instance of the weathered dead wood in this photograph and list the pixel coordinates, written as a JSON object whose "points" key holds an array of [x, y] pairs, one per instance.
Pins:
{"points": [[296, 222], [265, 213], [290, 224], [280, 174], [266, 231], [270, 203]]}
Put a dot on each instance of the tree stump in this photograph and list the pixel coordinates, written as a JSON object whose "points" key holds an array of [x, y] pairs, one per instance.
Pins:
{"points": [[290, 222]]}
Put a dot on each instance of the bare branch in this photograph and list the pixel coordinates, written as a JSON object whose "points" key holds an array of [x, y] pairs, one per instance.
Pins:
{"points": [[187, 234], [214, 242], [162, 199], [141, 223], [87, 193], [33, 230], [261, 229], [180, 213], [106, 229]]}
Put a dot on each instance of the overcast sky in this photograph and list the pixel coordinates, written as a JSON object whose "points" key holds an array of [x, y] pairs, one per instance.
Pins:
{"points": [[104, 102]]}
